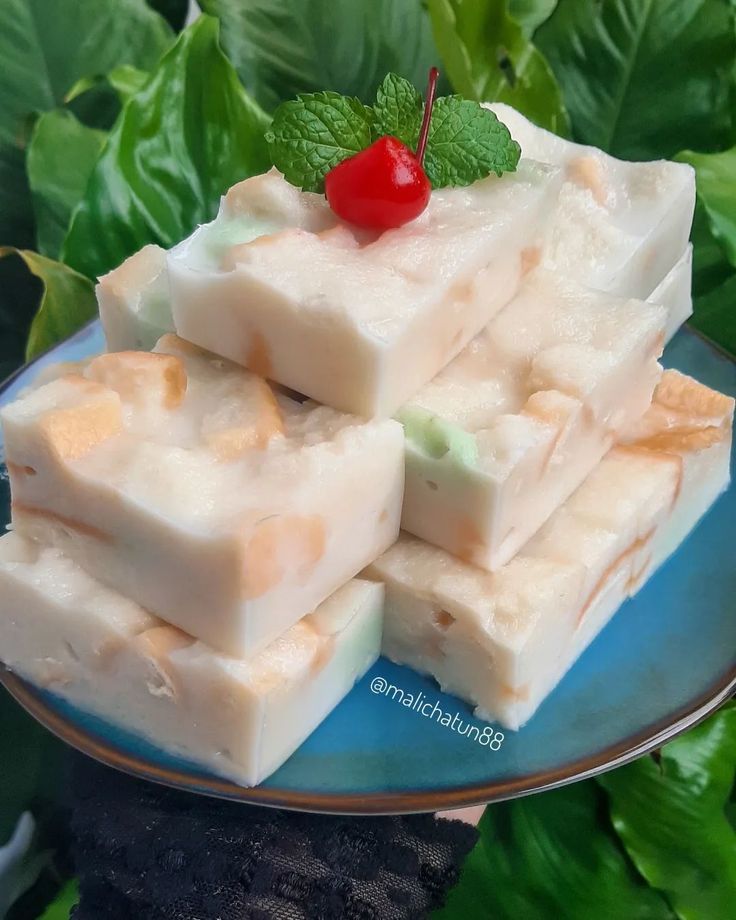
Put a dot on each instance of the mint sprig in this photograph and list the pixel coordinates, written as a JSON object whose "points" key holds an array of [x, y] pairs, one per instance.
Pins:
{"points": [[313, 133]]}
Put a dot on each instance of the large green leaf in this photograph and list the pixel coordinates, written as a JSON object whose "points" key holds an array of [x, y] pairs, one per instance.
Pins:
{"points": [[61, 156], [31, 765], [20, 293], [285, 47], [488, 58], [185, 138], [710, 265], [716, 182], [644, 78], [125, 80], [714, 237], [530, 14], [552, 855], [715, 314], [174, 11], [45, 47], [471, 897], [61, 906], [68, 301], [670, 814]]}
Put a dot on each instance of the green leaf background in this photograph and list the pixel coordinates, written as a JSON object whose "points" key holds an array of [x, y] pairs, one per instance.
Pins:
{"points": [[179, 144], [553, 855], [530, 14], [285, 47], [714, 236], [58, 182], [120, 127], [670, 814], [648, 841], [645, 78], [68, 300], [45, 48], [640, 77], [488, 58]]}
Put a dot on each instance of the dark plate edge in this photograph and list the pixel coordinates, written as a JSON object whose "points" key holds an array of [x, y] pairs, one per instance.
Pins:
{"points": [[31, 699]]}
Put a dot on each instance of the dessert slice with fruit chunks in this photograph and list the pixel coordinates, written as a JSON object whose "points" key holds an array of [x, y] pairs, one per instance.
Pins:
{"points": [[420, 241], [502, 641], [505, 433], [186, 483], [67, 633], [618, 227], [352, 319], [133, 301]]}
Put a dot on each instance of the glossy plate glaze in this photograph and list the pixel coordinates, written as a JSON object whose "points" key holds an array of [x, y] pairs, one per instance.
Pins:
{"points": [[665, 661]]}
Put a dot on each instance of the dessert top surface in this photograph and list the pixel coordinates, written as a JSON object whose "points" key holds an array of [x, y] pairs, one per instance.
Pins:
{"points": [[181, 431], [618, 184], [554, 337], [291, 242], [606, 206]]}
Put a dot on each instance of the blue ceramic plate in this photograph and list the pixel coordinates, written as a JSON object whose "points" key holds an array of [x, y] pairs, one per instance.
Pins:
{"points": [[665, 661]]}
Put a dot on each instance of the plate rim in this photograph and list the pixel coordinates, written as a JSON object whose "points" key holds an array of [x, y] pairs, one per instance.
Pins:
{"points": [[635, 745], [88, 742]]}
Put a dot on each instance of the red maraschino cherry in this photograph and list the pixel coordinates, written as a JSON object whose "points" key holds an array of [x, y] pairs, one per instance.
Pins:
{"points": [[384, 185]]}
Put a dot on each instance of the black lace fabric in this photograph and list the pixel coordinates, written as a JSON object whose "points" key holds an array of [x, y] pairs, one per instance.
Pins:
{"points": [[146, 852]]}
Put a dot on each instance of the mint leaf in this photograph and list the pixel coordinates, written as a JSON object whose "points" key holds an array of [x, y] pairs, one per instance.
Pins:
{"points": [[60, 908], [398, 110], [466, 143], [314, 132]]}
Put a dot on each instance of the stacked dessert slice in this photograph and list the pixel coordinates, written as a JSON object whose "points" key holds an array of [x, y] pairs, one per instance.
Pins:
{"points": [[503, 640], [354, 319], [522, 559], [185, 540], [186, 535]]}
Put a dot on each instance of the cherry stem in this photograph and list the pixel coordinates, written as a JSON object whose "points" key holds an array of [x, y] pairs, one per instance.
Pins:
{"points": [[429, 102]]}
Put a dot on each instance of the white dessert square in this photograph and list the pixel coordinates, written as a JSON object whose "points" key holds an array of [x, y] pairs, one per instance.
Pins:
{"points": [[133, 300], [618, 226], [355, 320], [511, 427], [502, 641], [187, 484], [66, 632]]}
